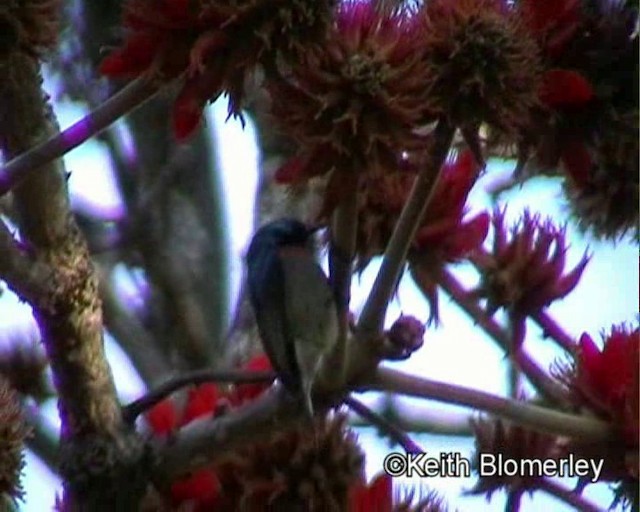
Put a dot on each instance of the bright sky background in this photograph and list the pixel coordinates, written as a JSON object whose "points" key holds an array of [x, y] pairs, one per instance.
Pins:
{"points": [[457, 352]]}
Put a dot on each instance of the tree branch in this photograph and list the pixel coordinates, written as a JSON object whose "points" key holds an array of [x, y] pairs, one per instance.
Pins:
{"points": [[538, 377], [385, 426], [371, 319], [128, 98], [134, 409], [532, 416]]}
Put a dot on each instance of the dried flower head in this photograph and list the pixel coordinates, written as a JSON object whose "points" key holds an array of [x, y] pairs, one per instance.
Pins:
{"points": [[497, 438], [419, 499], [13, 432], [483, 64], [216, 44], [304, 468], [353, 103], [525, 272], [29, 26], [602, 185], [24, 366]]}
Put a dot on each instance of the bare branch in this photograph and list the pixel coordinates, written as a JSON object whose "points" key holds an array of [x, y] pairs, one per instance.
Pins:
{"points": [[128, 98], [536, 418], [372, 317], [134, 409], [384, 425]]}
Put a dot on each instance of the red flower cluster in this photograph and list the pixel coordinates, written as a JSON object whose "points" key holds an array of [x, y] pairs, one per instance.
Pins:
{"points": [[589, 120], [355, 102], [443, 231], [201, 488], [606, 381], [216, 44], [445, 235]]}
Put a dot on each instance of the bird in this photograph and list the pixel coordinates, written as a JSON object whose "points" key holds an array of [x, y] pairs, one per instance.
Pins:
{"points": [[293, 303]]}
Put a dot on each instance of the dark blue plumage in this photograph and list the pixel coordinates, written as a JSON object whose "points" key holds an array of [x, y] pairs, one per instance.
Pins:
{"points": [[292, 301]]}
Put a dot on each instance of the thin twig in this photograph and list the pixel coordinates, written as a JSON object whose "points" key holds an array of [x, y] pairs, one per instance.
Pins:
{"points": [[371, 319], [534, 417], [128, 98], [28, 278], [384, 425], [551, 329], [571, 498], [137, 407], [536, 375]]}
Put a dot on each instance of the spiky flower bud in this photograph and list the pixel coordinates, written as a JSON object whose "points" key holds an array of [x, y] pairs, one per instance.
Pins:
{"points": [[498, 438], [13, 432], [29, 26], [483, 65], [299, 469], [25, 368], [603, 190], [525, 272], [354, 102]]}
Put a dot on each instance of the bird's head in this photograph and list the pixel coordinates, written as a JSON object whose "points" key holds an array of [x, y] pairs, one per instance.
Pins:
{"points": [[280, 233]]}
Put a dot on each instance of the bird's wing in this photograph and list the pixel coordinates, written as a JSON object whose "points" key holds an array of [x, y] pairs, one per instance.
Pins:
{"points": [[310, 309], [267, 289]]}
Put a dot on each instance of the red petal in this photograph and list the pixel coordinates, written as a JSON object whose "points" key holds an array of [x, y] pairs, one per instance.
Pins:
{"points": [[201, 402], [247, 392], [162, 417], [562, 88], [202, 487], [290, 172], [577, 162], [468, 237], [589, 357], [376, 497], [134, 58], [187, 108]]}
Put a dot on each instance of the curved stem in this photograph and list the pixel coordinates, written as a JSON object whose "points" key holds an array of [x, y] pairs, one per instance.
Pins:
{"points": [[371, 319], [535, 417], [384, 425], [137, 407], [131, 96]]}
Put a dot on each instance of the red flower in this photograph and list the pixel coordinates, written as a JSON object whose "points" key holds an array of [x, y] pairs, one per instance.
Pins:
{"points": [[163, 417], [553, 23], [247, 392], [444, 236], [526, 271], [201, 490], [607, 379], [202, 401], [353, 103], [443, 230], [375, 497], [215, 45], [565, 88]]}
